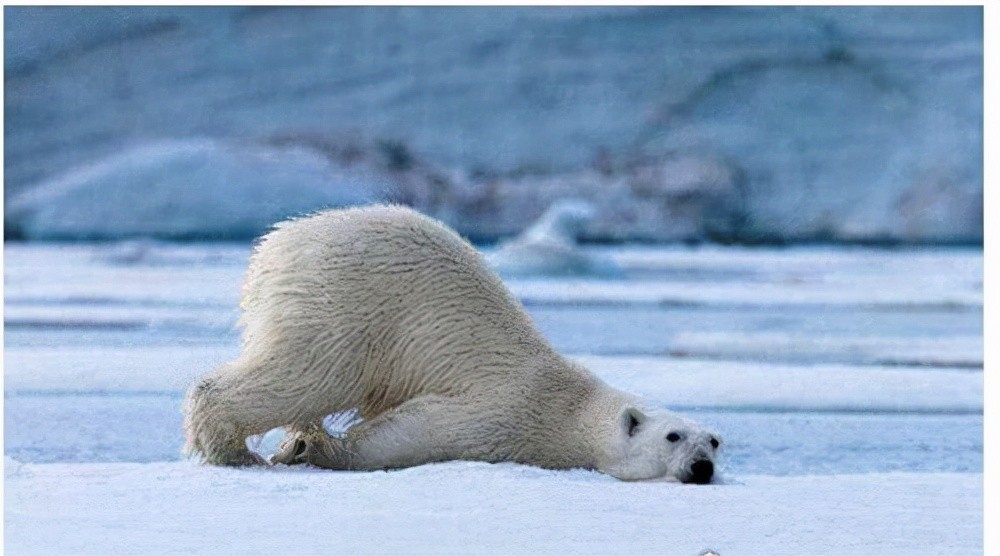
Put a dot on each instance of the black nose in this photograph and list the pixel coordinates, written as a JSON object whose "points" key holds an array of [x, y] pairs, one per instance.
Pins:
{"points": [[701, 471]]}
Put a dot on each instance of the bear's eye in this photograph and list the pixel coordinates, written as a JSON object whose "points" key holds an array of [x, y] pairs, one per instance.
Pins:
{"points": [[632, 424], [673, 437], [715, 443]]}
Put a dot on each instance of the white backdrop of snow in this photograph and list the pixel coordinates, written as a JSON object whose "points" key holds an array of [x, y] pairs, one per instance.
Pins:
{"points": [[476, 508]]}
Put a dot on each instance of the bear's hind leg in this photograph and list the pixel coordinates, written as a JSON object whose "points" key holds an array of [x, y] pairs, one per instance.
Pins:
{"points": [[231, 404], [209, 430]]}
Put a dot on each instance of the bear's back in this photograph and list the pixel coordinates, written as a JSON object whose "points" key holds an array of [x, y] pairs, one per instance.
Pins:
{"points": [[392, 289], [390, 248]]}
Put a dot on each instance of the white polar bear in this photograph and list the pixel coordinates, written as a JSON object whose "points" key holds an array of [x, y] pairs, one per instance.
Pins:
{"points": [[390, 313]]}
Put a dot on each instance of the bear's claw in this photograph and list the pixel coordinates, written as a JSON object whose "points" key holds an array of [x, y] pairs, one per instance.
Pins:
{"points": [[312, 449], [291, 452]]}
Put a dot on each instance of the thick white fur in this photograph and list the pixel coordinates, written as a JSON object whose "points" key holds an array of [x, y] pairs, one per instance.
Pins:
{"points": [[389, 312]]}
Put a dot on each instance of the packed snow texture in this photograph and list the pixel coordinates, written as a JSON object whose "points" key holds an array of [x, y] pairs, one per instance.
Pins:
{"points": [[847, 384], [476, 508]]}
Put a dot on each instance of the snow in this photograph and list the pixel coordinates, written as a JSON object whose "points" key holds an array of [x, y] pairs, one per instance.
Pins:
{"points": [[802, 276], [783, 387], [550, 246], [955, 351], [897, 291], [846, 382], [743, 277], [146, 427], [166, 369], [473, 508]]}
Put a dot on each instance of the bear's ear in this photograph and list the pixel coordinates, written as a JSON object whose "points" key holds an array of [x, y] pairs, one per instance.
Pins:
{"points": [[632, 418]]}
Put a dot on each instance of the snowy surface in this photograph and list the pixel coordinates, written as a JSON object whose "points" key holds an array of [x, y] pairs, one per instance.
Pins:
{"points": [[847, 384], [956, 351], [463, 508], [802, 276], [146, 427]]}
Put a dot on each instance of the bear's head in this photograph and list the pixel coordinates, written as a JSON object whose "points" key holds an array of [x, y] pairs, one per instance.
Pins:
{"points": [[650, 444]]}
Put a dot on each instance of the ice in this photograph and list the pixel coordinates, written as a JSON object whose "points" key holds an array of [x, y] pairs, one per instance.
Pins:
{"points": [[651, 330], [665, 381], [198, 188], [779, 387], [895, 292], [146, 427], [732, 277], [166, 369], [847, 123], [467, 508], [800, 276], [550, 245], [847, 384], [954, 351], [67, 283]]}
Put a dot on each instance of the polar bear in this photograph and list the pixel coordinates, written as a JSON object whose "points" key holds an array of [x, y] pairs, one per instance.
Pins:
{"points": [[389, 313]]}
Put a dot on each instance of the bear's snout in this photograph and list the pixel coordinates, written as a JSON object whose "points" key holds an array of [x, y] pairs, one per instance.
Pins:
{"points": [[701, 472]]}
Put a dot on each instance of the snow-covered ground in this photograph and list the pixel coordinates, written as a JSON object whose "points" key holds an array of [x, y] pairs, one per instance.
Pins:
{"points": [[472, 508], [847, 383]]}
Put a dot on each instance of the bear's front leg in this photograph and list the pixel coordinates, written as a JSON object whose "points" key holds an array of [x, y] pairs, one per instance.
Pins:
{"points": [[314, 446], [419, 431]]}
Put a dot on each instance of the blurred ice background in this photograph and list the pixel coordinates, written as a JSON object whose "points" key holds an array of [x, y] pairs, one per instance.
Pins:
{"points": [[681, 123], [770, 219]]}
